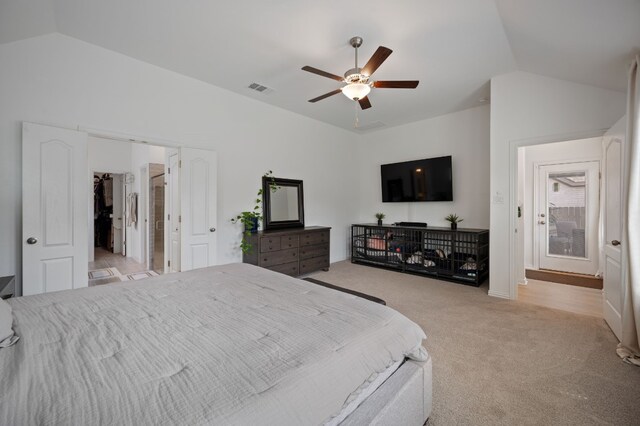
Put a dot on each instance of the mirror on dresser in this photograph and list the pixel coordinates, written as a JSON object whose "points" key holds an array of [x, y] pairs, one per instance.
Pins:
{"points": [[283, 203]]}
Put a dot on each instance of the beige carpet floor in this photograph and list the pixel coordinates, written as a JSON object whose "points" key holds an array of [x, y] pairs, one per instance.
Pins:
{"points": [[501, 362]]}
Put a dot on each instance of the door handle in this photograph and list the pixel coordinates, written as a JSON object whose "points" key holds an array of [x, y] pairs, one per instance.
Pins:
{"points": [[32, 240], [212, 229], [615, 243]]}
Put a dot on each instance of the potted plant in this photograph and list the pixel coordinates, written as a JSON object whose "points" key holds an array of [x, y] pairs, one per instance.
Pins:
{"points": [[250, 219], [380, 216], [454, 219]]}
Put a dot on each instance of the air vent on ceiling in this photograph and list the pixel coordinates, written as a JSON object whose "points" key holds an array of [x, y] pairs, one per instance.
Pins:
{"points": [[370, 126], [259, 88]]}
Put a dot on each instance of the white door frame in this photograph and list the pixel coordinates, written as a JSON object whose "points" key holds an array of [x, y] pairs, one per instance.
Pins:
{"points": [[512, 196], [143, 207], [536, 199], [172, 194]]}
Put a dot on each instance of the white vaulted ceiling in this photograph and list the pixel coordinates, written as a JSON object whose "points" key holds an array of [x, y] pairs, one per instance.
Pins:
{"points": [[452, 47]]}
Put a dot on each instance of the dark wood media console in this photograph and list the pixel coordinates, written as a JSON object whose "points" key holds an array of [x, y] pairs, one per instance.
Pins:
{"points": [[460, 255], [295, 251]]}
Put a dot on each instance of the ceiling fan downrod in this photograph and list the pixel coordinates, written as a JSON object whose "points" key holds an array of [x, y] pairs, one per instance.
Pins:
{"points": [[356, 42]]}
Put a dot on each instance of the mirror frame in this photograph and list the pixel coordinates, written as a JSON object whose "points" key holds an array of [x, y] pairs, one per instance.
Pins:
{"points": [[266, 194]]}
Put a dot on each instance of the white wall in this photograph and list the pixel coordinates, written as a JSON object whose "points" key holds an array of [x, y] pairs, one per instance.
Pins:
{"points": [[107, 156], [55, 79], [528, 108], [463, 135], [560, 152]]}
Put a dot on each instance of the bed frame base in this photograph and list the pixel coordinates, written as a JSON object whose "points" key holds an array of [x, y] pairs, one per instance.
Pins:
{"points": [[404, 399]]}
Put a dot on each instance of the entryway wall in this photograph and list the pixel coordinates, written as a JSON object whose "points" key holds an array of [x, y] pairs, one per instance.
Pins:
{"points": [[529, 157]]}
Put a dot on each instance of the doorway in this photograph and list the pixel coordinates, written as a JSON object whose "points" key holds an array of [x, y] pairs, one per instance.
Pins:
{"points": [[112, 196], [558, 254], [124, 206], [108, 212], [568, 204]]}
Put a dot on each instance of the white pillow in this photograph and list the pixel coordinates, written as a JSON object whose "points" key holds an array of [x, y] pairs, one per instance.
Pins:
{"points": [[7, 338]]}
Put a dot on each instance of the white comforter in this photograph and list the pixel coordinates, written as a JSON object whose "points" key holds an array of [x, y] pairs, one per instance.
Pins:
{"points": [[233, 344]]}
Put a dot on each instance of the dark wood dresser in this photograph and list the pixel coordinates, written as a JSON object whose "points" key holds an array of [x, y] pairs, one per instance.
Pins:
{"points": [[294, 252]]}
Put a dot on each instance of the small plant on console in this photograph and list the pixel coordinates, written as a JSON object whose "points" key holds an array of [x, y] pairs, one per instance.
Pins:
{"points": [[454, 219]]}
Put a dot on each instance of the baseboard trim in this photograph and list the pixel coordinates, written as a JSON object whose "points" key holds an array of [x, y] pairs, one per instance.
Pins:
{"points": [[499, 294], [567, 278]]}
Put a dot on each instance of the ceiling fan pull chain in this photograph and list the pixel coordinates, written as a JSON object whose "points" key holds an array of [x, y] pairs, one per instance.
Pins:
{"points": [[357, 123]]}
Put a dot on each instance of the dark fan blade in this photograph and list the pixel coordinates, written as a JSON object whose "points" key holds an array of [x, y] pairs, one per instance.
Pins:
{"points": [[376, 60], [326, 95], [322, 73], [402, 84], [364, 103]]}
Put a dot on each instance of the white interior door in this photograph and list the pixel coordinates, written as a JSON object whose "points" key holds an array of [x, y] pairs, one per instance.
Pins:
{"points": [[198, 192], [118, 213], [612, 199], [172, 210], [567, 218], [143, 213], [54, 209], [125, 214]]}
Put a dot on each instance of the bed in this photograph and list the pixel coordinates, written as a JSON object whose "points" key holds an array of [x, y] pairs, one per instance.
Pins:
{"points": [[232, 344]]}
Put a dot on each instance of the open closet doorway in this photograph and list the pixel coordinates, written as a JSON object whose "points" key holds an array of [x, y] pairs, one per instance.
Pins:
{"points": [[127, 210], [108, 225], [558, 252]]}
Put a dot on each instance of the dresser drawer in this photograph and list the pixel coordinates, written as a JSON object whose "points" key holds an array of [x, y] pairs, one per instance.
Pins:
{"points": [[278, 257], [288, 241], [290, 268], [311, 238], [268, 244], [313, 264], [307, 252]]}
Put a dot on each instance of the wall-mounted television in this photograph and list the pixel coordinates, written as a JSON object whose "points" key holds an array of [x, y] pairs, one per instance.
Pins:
{"points": [[419, 180]]}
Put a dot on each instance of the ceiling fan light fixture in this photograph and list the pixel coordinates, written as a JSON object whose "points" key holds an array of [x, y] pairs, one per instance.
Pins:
{"points": [[356, 91]]}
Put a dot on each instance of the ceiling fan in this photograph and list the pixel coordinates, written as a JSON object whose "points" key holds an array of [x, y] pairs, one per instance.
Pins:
{"points": [[358, 85]]}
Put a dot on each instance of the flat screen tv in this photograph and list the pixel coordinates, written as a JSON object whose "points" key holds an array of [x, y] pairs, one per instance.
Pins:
{"points": [[420, 180]]}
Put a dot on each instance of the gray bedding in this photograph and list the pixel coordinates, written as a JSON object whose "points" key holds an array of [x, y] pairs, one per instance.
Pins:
{"points": [[232, 344]]}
